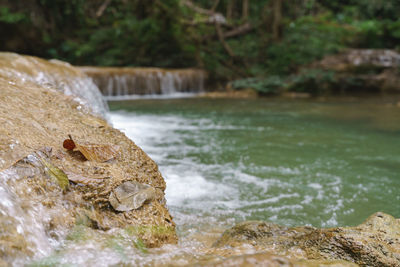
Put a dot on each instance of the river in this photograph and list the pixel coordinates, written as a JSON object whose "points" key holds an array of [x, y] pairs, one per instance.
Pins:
{"points": [[322, 162]]}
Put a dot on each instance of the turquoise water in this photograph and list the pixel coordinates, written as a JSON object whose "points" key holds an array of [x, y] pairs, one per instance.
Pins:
{"points": [[312, 162]]}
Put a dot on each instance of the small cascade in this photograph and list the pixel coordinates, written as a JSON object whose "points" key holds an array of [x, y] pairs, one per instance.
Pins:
{"points": [[54, 74], [125, 82]]}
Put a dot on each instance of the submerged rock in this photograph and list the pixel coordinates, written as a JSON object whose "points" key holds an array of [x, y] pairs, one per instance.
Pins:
{"points": [[38, 206], [376, 242]]}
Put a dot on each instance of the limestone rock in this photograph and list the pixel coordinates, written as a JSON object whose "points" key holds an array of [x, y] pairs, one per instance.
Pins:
{"points": [[34, 115], [355, 58], [271, 260], [363, 70], [376, 242]]}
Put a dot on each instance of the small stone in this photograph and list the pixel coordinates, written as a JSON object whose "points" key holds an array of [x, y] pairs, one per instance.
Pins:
{"points": [[131, 195]]}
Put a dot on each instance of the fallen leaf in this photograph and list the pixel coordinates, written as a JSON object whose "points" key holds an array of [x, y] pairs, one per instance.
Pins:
{"points": [[58, 175], [99, 153], [92, 152], [131, 195]]}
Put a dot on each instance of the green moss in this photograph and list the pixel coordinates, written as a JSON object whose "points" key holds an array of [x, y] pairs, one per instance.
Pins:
{"points": [[79, 233], [139, 244], [149, 229]]}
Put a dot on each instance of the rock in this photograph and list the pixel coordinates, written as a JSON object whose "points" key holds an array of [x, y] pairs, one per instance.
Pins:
{"points": [[362, 70], [53, 75], [389, 79], [350, 59], [131, 195], [296, 95], [376, 242], [271, 260], [230, 93], [34, 208]]}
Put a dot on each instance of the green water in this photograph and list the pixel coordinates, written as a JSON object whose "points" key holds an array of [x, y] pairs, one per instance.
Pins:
{"points": [[294, 162]]}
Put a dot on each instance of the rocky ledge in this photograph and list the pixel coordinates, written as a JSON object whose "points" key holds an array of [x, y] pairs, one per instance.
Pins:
{"points": [[46, 189], [362, 70], [376, 242]]}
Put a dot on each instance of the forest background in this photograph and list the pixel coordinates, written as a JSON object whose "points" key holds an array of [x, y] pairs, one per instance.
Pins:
{"points": [[259, 44]]}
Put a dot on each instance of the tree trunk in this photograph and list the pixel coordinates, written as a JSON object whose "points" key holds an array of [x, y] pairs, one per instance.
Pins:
{"points": [[277, 18], [229, 9], [214, 7], [222, 40], [245, 9]]}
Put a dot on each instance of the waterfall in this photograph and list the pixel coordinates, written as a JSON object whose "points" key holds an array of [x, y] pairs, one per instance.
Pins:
{"points": [[54, 74], [127, 82]]}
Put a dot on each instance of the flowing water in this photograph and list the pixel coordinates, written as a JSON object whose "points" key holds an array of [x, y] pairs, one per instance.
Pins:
{"points": [[123, 83], [320, 163]]}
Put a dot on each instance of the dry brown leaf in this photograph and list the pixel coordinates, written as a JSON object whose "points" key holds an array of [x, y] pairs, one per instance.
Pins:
{"points": [[93, 152], [99, 153]]}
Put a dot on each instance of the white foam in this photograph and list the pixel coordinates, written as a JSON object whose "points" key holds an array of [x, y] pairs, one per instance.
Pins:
{"points": [[209, 191], [195, 187], [190, 184]]}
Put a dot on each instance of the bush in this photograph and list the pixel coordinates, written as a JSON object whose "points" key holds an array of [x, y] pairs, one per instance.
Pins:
{"points": [[314, 81], [270, 85], [309, 80]]}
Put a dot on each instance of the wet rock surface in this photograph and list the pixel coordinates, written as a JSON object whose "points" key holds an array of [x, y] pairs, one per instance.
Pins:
{"points": [[55, 75], [267, 259], [35, 211], [376, 242]]}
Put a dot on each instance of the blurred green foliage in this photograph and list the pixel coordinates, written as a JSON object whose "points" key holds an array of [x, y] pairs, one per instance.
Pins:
{"points": [[170, 33], [270, 85], [306, 39], [6, 16], [313, 81]]}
